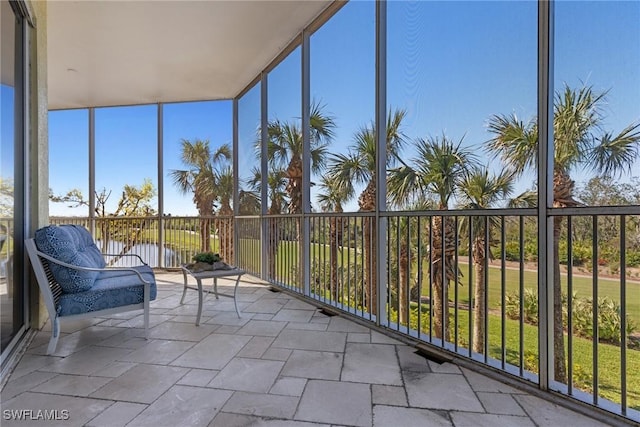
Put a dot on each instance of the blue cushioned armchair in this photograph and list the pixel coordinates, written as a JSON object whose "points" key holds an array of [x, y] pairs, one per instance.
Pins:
{"points": [[76, 283]]}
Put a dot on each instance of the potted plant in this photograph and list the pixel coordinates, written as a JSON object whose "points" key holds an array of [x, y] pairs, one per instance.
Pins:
{"points": [[204, 261]]}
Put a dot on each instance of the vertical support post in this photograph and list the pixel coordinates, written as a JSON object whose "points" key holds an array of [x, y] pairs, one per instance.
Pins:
{"points": [[92, 171], [264, 173], [381, 158], [236, 182], [305, 260], [545, 192], [161, 236], [24, 154]]}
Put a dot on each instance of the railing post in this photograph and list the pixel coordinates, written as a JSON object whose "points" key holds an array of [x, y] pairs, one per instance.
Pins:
{"points": [[545, 192], [305, 260], [161, 248], [236, 184], [92, 172], [381, 157], [264, 171]]}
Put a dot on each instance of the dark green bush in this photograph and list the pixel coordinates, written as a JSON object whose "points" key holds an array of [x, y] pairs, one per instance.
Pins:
{"points": [[581, 253], [512, 251], [633, 258]]}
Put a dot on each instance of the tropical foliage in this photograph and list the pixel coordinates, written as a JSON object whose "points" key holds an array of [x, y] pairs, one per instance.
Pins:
{"points": [[209, 177], [579, 141]]}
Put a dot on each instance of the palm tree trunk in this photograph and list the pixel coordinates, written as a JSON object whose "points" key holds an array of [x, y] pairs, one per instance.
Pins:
{"points": [[367, 202], [272, 248], [559, 362], [479, 296], [563, 187], [335, 241], [403, 284], [370, 264], [294, 189], [205, 232], [224, 225], [272, 241], [442, 259]]}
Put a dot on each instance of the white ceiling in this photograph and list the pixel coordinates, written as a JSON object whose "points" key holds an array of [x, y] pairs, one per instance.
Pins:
{"points": [[103, 53]]}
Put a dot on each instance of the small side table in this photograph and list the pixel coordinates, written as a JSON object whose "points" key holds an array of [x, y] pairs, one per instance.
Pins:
{"points": [[211, 274]]}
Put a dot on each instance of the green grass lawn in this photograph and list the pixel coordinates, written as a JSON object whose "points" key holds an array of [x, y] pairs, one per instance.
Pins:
{"points": [[581, 285]]}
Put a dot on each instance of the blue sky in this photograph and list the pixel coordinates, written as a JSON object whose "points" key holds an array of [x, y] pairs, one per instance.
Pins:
{"points": [[451, 65]]}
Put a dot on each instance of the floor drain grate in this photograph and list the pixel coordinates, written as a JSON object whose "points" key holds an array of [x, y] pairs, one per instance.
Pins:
{"points": [[437, 358], [327, 312]]}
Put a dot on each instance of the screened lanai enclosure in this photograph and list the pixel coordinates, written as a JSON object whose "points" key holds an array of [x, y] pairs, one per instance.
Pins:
{"points": [[463, 174]]}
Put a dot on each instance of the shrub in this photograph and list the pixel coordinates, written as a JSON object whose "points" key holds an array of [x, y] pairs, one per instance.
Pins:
{"points": [[581, 253], [530, 306], [512, 251], [531, 251], [609, 315], [633, 258], [609, 319]]}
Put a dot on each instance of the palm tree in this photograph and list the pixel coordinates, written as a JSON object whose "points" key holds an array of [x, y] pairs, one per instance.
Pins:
{"points": [[331, 198], [358, 167], [202, 178], [438, 168], [224, 222], [285, 150], [578, 141], [482, 190], [285, 146], [276, 183]]}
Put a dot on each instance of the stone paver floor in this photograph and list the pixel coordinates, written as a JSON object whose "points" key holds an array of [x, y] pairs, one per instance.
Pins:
{"points": [[284, 363]]}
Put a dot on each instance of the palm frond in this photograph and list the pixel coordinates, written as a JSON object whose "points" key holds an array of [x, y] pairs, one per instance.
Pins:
{"points": [[616, 154], [348, 169], [404, 186], [515, 142], [183, 179], [322, 125], [223, 153], [441, 164], [528, 199], [576, 115]]}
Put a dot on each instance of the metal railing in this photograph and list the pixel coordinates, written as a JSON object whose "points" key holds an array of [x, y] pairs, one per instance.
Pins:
{"points": [[464, 281], [181, 237]]}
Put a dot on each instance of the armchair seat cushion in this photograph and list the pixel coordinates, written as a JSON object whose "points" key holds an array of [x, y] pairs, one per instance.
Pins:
{"points": [[111, 289], [74, 245]]}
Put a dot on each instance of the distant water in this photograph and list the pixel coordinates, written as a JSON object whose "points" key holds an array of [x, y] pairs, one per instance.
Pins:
{"points": [[147, 251]]}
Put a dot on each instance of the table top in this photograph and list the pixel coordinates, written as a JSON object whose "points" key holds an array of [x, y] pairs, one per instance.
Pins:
{"points": [[235, 271]]}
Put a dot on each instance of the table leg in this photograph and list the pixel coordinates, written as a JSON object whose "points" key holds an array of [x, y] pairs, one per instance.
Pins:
{"points": [[235, 296], [184, 292], [199, 301]]}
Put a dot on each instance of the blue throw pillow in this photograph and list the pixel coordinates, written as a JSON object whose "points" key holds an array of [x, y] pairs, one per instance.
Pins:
{"points": [[74, 245]]}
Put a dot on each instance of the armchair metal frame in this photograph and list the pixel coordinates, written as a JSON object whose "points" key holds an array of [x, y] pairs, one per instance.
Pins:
{"points": [[51, 292]]}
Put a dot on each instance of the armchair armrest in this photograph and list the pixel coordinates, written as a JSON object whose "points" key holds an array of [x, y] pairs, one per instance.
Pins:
{"points": [[76, 267], [124, 255]]}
